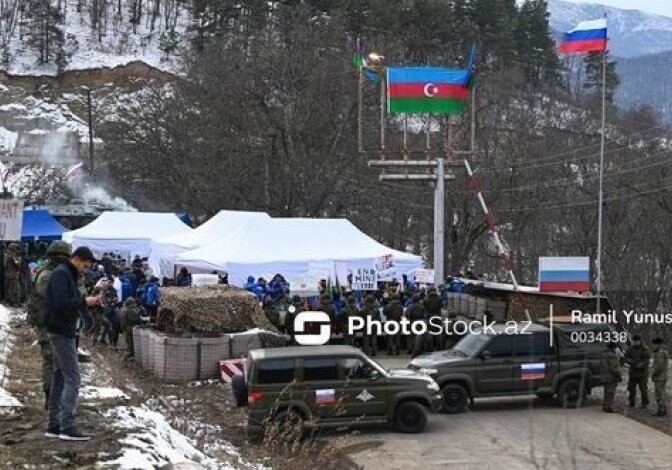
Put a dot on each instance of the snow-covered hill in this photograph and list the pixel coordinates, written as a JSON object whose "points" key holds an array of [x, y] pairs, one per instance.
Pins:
{"points": [[632, 33], [118, 42]]}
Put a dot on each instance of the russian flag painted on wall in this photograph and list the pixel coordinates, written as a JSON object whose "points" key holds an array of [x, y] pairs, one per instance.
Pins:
{"points": [[587, 36], [564, 273]]}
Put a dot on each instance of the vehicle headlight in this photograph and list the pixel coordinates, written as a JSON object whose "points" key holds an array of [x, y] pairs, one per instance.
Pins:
{"points": [[428, 371], [433, 386]]}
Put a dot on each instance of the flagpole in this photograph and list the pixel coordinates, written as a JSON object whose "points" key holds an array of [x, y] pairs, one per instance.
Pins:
{"points": [[360, 98], [601, 196]]}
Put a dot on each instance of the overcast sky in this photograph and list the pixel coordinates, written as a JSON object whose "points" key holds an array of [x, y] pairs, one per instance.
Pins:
{"points": [[662, 7]]}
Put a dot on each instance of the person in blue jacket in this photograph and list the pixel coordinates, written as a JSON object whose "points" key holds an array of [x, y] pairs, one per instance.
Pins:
{"points": [[249, 285], [126, 286], [151, 298], [337, 302]]}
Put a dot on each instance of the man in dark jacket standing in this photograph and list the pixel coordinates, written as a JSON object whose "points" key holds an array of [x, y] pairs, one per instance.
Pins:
{"points": [[62, 306]]}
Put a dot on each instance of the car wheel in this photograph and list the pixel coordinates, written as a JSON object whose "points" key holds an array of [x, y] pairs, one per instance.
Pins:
{"points": [[455, 398], [239, 388], [410, 416], [289, 424], [572, 393]]}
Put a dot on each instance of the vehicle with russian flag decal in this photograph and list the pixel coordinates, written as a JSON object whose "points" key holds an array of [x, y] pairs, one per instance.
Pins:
{"points": [[331, 387], [556, 360]]}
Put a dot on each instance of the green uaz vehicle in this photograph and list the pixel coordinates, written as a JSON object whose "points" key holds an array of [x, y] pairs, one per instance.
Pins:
{"points": [[331, 386], [496, 363]]}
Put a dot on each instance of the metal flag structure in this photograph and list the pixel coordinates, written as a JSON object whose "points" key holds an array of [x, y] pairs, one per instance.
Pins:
{"points": [[592, 36]]}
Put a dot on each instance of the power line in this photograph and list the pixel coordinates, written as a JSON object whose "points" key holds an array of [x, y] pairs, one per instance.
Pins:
{"points": [[588, 178], [586, 203], [574, 159]]}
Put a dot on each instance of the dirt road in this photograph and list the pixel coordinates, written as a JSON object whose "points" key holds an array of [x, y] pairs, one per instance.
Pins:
{"points": [[518, 433]]}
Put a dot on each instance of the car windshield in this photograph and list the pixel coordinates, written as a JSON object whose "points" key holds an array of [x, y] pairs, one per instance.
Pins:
{"points": [[384, 371], [471, 344]]}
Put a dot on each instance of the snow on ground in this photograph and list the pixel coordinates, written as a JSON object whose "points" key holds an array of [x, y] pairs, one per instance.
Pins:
{"points": [[43, 115], [7, 401], [119, 44], [90, 392], [151, 442], [31, 181], [7, 140]]}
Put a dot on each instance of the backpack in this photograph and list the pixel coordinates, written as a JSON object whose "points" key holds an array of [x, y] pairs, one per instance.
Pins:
{"points": [[35, 303]]}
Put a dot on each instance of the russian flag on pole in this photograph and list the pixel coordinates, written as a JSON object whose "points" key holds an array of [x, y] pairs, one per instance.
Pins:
{"points": [[564, 273], [587, 36]]}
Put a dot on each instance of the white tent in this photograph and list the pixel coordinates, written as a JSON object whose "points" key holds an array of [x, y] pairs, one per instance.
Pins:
{"points": [[221, 225], [296, 248], [127, 233]]}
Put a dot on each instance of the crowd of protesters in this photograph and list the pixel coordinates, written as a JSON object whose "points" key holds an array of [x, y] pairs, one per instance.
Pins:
{"points": [[130, 297], [392, 300]]}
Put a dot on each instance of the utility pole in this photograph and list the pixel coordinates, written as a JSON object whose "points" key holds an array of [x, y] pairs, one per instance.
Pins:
{"points": [[439, 224], [88, 102], [434, 163], [439, 177]]}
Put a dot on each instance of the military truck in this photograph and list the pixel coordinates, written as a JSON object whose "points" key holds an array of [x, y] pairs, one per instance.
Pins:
{"points": [[561, 361], [331, 386]]}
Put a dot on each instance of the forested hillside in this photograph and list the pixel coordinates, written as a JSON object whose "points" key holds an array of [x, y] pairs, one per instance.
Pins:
{"points": [[262, 116]]}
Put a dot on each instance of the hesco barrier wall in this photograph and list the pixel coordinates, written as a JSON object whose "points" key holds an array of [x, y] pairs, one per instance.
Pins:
{"points": [[182, 359]]}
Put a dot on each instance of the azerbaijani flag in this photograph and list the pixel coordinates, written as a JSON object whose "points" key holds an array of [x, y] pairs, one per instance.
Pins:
{"points": [[564, 273], [359, 61], [587, 36], [433, 90]]}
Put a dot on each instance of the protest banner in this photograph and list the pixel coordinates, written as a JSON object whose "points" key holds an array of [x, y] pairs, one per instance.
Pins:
{"points": [[424, 276], [11, 219], [385, 268], [365, 279]]}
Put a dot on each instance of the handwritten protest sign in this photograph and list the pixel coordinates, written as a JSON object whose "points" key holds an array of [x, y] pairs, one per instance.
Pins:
{"points": [[385, 268], [11, 219], [365, 279]]}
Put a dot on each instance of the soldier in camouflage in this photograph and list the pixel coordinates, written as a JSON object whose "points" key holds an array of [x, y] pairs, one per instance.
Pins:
{"points": [[416, 313], [326, 306], [293, 310], [57, 253], [659, 375], [638, 357], [98, 315], [12, 265], [350, 310], [370, 310], [131, 315], [393, 312], [433, 306], [610, 374]]}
